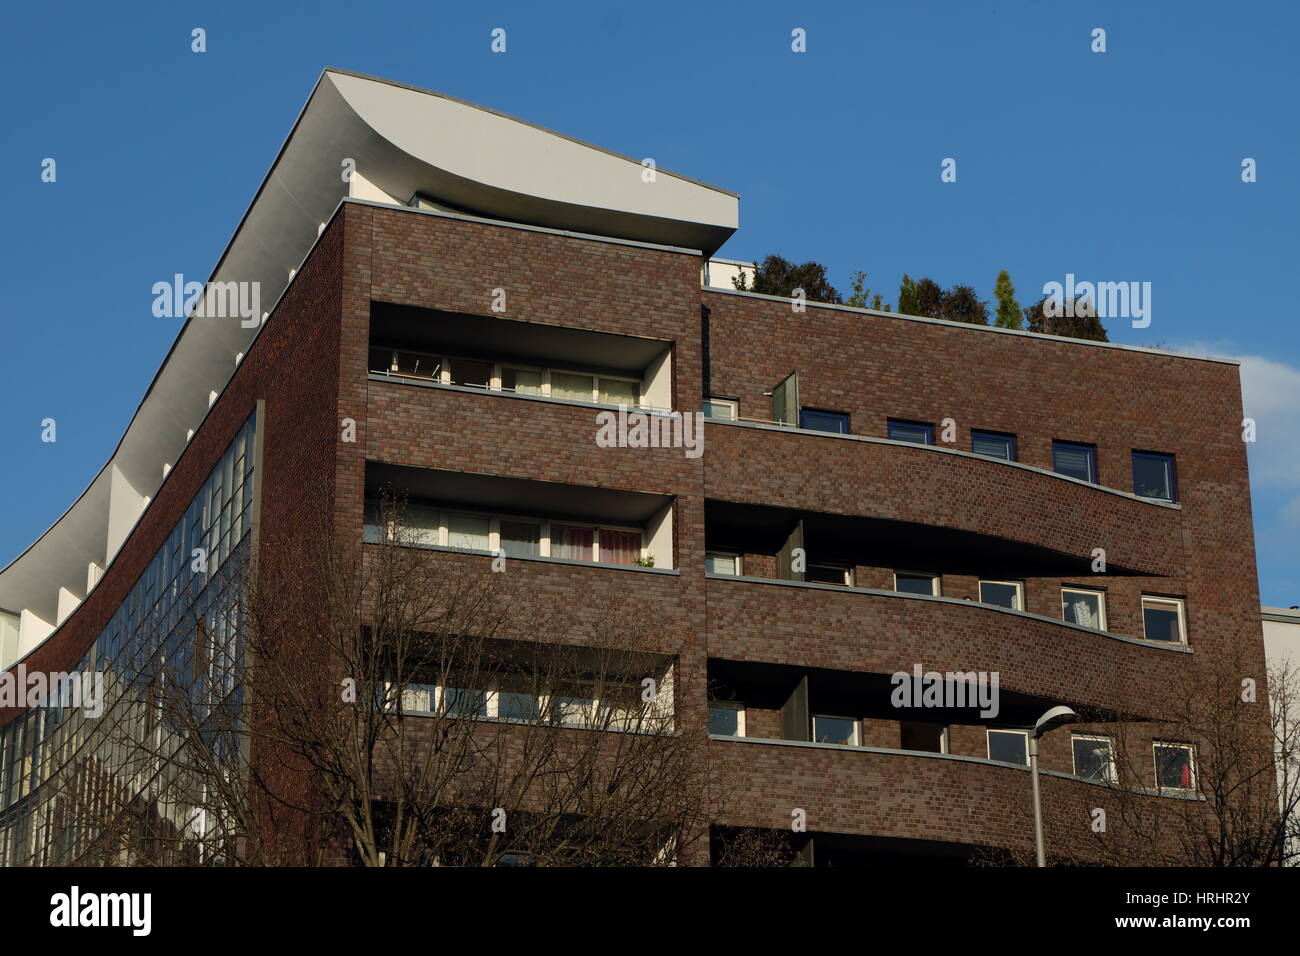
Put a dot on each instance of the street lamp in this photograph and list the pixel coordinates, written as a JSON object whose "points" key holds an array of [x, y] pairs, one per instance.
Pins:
{"points": [[1054, 718]]}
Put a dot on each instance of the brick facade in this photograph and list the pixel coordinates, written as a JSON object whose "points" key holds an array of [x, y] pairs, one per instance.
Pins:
{"points": [[310, 367]]}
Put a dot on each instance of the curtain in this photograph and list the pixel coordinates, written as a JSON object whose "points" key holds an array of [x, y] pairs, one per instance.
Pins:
{"points": [[619, 547], [569, 541]]}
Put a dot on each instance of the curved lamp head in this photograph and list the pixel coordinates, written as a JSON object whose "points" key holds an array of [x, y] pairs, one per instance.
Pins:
{"points": [[1054, 718]]}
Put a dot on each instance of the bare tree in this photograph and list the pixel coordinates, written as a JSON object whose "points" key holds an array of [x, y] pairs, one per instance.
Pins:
{"points": [[1233, 804], [390, 706]]}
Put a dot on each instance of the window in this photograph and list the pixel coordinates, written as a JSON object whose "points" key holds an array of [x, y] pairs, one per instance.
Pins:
{"points": [[518, 705], [1009, 746], [573, 706], [467, 531], [994, 445], [1075, 460], [572, 542], [922, 736], [521, 539], [471, 372], [720, 562], [1094, 758], [835, 574], [577, 388], [835, 730], [521, 381], [815, 420], [1085, 608], [1006, 594], [727, 718], [615, 391], [1163, 619], [721, 408], [419, 698], [619, 547], [908, 582], [916, 432], [462, 702], [1175, 767], [402, 362], [1153, 476]]}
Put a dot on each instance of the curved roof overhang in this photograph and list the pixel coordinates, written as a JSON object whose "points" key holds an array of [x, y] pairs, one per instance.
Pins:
{"points": [[401, 141]]}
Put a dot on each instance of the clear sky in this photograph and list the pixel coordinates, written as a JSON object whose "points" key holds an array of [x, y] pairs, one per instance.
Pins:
{"points": [[1122, 165]]}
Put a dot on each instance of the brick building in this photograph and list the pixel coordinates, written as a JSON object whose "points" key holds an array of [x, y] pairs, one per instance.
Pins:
{"points": [[877, 494]]}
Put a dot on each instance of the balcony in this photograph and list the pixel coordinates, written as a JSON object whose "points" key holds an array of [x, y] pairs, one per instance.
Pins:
{"points": [[896, 795], [884, 632], [524, 359], [513, 518], [927, 485]]}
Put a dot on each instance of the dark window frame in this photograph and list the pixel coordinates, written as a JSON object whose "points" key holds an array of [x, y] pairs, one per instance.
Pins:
{"points": [[841, 416], [1012, 445], [1079, 445], [1173, 473], [909, 423]]}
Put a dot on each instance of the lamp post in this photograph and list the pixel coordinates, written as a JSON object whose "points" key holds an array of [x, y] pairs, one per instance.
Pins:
{"points": [[1049, 721]]}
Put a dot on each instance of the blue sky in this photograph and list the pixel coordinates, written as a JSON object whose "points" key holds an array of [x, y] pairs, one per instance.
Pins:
{"points": [[1123, 165]]}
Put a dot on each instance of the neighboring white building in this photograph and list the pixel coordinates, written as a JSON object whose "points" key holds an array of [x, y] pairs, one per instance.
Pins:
{"points": [[1281, 644], [721, 273], [1281, 634]]}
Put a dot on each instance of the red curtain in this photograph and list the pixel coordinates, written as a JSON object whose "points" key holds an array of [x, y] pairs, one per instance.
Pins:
{"points": [[574, 543], [619, 547]]}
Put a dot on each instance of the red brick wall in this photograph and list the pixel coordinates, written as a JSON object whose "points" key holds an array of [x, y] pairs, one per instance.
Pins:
{"points": [[310, 365]]}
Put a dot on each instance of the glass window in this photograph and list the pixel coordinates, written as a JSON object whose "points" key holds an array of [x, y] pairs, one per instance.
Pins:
{"points": [[415, 363], [1009, 746], [521, 539], [1085, 608], [1002, 594], [619, 547], [1153, 476], [467, 531], [721, 408], [521, 381], [1162, 619], [462, 702], [994, 445], [471, 372], [573, 542], [837, 422], [515, 697], [517, 705], [616, 392], [911, 431], [577, 388], [726, 719], [1175, 769], [718, 562], [922, 736], [1094, 758], [1077, 461], [419, 524], [835, 730], [910, 583], [419, 698], [830, 574], [573, 707]]}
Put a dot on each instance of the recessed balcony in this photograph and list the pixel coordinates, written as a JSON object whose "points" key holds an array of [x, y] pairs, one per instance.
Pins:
{"points": [[1002, 502]]}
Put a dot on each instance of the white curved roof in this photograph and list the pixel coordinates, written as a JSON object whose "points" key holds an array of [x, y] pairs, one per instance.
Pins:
{"points": [[402, 141]]}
